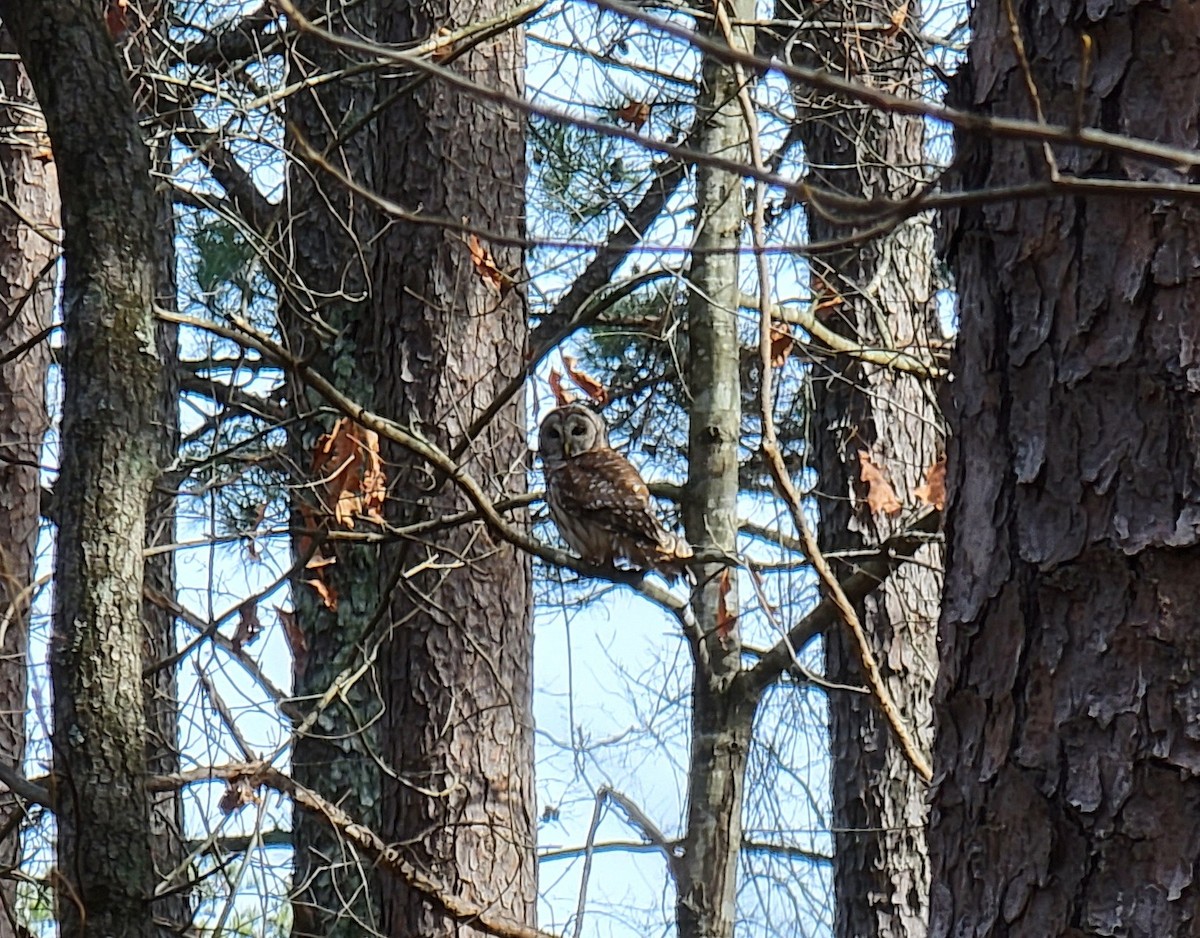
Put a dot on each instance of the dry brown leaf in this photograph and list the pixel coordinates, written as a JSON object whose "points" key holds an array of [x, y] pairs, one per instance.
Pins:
{"points": [[585, 382], [239, 792], [327, 593], [348, 462], [635, 113], [248, 625], [881, 497], [933, 490], [295, 639], [116, 19], [782, 343], [726, 617], [561, 396], [824, 296], [897, 19], [486, 267], [444, 47]]}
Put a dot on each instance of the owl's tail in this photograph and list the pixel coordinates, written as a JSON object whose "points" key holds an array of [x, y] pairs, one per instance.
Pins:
{"points": [[674, 555]]}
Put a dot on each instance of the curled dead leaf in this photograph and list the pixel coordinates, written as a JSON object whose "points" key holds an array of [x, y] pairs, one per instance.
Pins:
{"points": [[782, 343], [933, 490], [585, 382], [239, 792], [561, 395], [248, 625], [444, 46], [348, 463], [727, 615], [635, 113], [486, 267], [295, 639], [881, 497]]}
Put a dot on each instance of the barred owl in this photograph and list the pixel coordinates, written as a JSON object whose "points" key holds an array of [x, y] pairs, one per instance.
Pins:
{"points": [[599, 501]]}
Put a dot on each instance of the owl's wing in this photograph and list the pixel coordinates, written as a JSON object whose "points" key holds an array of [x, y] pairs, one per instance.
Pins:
{"points": [[603, 485]]}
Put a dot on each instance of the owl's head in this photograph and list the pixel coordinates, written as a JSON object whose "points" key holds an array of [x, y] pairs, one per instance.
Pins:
{"points": [[568, 431]]}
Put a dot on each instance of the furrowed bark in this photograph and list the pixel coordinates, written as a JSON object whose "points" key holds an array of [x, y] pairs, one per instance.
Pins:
{"points": [[880, 294], [1067, 758], [109, 440], [458, 729]]}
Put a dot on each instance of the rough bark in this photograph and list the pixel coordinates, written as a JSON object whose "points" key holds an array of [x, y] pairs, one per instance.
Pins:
{"points": [[1067, 754], [721, 716], [332, 255], [458, 729], [174, 908], [109, 439], [880, 867], [27, 252]]}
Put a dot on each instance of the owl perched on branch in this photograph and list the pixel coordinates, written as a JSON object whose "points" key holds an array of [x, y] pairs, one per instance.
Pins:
{"points": [[599, 501]]}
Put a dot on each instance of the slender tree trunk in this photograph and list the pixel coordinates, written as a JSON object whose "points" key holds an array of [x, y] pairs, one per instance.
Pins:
{"points": [[886, 290], [1068, 799], [722, 715], [332, 242], [27, 252], [457, 672], [109, 440]]}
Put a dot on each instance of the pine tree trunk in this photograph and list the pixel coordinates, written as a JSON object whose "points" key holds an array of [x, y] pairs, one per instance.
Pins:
{"points": [[109, 440], [331, 238], [722, 714], [457, 672], [27, 252], [1067, 798], [886, 289]]}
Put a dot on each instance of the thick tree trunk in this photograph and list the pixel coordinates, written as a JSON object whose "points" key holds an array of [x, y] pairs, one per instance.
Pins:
{"points": [[332, 245], [721, 714], [880, 867], [109, 440], [1067, 799], [458, 728], [27, 252]]}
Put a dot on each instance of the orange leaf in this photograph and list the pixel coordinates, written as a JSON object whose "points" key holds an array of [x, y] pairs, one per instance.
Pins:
{"points": [[327, 593], [561, 395], [585, 382], [726, 617], [295, 639], [444, 47], [116, 19], [933, 490], [348, 462], [824, 296], [239, 792], [881, 497], [635, 113], [485, 266], [897, 19], [782, 343], [248, 625]]}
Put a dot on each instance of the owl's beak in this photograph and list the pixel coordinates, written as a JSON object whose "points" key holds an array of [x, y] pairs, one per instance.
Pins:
{"points": [[568, 447]]}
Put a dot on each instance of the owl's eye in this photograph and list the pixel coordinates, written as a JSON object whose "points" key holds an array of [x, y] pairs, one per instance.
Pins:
{"points": [[577, 430], [552, 433]]}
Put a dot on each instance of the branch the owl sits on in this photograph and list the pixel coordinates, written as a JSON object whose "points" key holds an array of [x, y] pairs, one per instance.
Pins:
{"points": [[598, 500]]}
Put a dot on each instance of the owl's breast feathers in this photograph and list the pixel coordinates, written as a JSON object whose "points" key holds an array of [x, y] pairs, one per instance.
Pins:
{"points": [[601, 488]]}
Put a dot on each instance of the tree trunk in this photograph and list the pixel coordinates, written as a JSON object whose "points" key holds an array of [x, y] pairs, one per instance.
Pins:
{"points": [[27, 252], [721, 714], [109, 440], [457, 672], [1067, 757], [886, 285], [335, 892]]}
